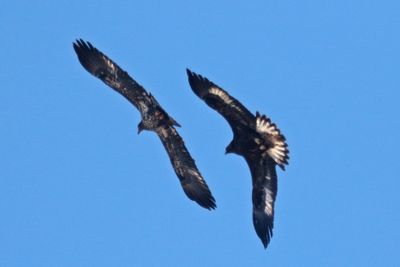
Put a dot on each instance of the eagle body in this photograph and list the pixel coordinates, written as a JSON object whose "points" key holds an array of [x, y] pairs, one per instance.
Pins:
{"points": [[256, 139], [154, 118], [245, 142]]}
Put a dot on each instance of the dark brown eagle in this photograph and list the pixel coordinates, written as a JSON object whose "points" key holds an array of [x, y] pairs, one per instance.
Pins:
{"points": [[255, 138], [154, 118]]}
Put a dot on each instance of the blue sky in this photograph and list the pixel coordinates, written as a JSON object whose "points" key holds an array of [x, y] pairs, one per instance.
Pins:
{"points": [[79, 187]]}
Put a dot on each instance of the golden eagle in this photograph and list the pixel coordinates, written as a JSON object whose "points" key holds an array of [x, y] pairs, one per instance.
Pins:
{"points": [[154, 118], [255, 138]]}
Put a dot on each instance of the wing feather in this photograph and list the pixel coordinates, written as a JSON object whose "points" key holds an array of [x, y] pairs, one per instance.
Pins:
{"points": [[265, 188], [217, 98], [192, 182], [99, 65]]}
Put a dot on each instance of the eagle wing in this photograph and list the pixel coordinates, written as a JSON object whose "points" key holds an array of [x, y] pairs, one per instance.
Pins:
{"points": [[265, 188], [99, 65], [192, 182], [230, 108]]}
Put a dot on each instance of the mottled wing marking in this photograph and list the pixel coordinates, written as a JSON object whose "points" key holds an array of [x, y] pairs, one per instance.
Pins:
{"points": [[269, 202], [277, 149], [97, 63], [264, 193], [229, 102], [101, 66], [220, 93], [217, 98], [193, 184]]}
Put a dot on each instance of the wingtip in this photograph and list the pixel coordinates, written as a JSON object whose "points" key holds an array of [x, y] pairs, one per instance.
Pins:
{"points": [[198, 83], [265, 243], [90, 57], [263, 225], [207, 202], [76, 44], [199, 193], [211, 207], [191, 75], [82, 44], [265, 240]]}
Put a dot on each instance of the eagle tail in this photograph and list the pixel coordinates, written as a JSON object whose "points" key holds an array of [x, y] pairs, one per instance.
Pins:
{"points": [[277, 148]]}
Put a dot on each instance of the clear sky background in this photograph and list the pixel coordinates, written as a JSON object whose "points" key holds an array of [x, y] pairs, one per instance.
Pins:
{"points": [[79, 187]]}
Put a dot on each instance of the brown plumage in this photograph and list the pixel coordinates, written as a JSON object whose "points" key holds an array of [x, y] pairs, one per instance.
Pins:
{"points": [[154, 118], [255, 138]]}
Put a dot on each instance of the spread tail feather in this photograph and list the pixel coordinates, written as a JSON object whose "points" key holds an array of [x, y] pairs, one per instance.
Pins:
{"points": [[278, 148]]}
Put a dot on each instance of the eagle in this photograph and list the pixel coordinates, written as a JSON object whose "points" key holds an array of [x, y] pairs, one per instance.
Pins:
{"points": [[255, 138], [154, 118]]}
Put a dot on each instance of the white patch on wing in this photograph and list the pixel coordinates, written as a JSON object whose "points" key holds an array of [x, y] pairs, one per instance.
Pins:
{"points": [[218, 92], [111, 65], [193, 172], [269, 202]]}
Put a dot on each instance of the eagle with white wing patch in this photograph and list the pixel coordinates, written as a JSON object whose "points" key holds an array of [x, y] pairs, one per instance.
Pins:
{"points": [[255, 138]]}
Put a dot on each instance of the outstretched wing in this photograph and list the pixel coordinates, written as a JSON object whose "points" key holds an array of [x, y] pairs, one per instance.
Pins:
{"points": [[192, 182], [265, 188], [231, 109], [98, 64]]}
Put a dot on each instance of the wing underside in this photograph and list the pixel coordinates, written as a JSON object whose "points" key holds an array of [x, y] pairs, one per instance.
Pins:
{"points": [[231, 109], [99, 65], [264, 193], [192, 182]]}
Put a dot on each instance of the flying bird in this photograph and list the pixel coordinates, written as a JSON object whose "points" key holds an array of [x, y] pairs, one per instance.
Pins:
{"points": [[154, 118], [255, 138]]}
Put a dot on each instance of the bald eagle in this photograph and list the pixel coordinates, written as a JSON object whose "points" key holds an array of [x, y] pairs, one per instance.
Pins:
{"points": [[255, 138], [154, 118]]}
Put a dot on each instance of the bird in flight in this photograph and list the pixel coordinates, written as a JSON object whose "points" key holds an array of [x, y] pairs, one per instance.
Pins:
{"points": [[255, 138], [154, 118]]}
